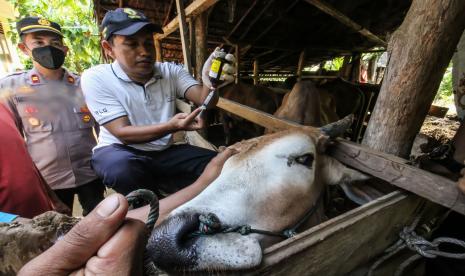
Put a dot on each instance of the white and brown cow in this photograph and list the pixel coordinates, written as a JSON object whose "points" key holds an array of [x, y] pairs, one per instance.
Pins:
{"points": [[270, 185]]}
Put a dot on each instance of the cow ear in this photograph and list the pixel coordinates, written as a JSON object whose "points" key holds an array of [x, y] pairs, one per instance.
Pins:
{"points": [[351, 181]]}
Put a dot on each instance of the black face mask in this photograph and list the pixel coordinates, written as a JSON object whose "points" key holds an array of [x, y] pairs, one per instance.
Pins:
{"points": [[49, 57]]}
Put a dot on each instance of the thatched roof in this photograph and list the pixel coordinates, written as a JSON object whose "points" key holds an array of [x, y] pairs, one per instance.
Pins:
{"points": [[277, 31]]}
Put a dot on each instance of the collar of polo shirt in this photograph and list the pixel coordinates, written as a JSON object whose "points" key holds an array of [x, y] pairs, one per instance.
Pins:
{"points": [[120, 74]]}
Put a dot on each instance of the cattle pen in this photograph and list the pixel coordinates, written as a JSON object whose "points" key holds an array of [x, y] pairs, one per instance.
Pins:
{"points": [[276, 40]]}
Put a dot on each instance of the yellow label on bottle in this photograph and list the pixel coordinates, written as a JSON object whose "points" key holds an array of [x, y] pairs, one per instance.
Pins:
{"points": [[215, 68]]}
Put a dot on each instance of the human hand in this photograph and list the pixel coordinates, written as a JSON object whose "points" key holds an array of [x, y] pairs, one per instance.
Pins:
{"points": [[103, 242], [228, 70], [184, 121]]}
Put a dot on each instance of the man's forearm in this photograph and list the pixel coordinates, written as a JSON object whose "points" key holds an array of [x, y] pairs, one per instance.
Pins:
{"points": [[143, 134]]}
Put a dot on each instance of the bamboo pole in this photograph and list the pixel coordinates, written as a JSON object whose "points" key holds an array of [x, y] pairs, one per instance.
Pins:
{"points": [[183, 30]]}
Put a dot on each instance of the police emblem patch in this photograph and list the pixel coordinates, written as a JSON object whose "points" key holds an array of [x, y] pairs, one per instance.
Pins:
{"points": [[86, 118], [44, 22], [35, 79], [33, 121]]}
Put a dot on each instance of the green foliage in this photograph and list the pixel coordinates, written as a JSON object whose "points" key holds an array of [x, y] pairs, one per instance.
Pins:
{"points": [[445, 91], [335, 64], [78, 26]]}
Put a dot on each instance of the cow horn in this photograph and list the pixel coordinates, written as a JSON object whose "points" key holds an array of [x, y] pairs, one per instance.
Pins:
{"points": [[339, 127]]}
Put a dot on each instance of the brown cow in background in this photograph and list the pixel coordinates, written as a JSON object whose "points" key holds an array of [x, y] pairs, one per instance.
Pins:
{"points": [[255, 96], [308, 103], [316, 105]]}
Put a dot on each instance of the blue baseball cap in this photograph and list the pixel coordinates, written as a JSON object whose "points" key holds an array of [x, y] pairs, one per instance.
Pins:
{"points": [[126, 21]]}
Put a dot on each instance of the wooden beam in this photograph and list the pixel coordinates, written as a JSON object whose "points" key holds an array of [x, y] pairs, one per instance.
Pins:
{"points": [[242, 19], [256, 116], [158, 51], [231, 10], [200, 27], [285, 55], [192, 46], [168, 12], [183, 29], [277, 19], [256, 77], [300, 65], [195, 8], [341, 244], [257, 17], [396, 171], [328, 9], [386, 167], [238, 63], [121, 3]]}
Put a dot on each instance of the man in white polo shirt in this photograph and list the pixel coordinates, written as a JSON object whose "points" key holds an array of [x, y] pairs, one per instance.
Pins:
{"points": [[133, 99]]}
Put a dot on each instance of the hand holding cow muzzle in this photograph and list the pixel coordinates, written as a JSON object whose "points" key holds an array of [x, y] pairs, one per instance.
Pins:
{"points": [[218, 70]]}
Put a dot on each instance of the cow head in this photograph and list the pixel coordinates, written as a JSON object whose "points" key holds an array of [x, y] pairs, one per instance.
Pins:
{"points": [[269, 185]]}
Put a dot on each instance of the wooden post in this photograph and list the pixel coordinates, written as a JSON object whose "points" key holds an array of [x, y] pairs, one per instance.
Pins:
{"points": [[414, 73], [256, 77], [183, 30], [200, 26], [121, 3], [158, 51], [458, 78], [355, 69], [238, 63], [371, 69], [195, 8], [300, 65], [192, 43]]}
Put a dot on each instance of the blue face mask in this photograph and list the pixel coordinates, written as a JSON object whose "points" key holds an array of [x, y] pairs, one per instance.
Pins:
{"points": [[49, 57]]}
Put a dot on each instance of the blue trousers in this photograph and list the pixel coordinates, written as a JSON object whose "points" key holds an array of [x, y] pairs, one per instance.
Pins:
{"points": [[126, 169]]}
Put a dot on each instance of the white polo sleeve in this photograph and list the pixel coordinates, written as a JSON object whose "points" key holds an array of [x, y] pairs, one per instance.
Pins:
{"points": [[101, 101], [183, 80]]}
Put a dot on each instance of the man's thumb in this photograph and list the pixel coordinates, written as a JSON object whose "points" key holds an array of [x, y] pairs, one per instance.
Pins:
{"points": [[83, 240]]}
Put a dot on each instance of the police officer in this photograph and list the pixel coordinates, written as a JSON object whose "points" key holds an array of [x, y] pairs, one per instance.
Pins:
{"points": [[51, 113]]}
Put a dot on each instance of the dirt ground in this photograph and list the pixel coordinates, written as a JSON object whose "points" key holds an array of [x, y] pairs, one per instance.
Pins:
{"points": [[440, 129]]}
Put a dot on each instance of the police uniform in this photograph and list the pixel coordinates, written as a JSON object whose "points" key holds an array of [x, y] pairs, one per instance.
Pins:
{"points": [[58, 129]]}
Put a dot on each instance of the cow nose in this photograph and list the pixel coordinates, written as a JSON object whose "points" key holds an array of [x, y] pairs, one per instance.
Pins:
{"points": [[172, 245]]}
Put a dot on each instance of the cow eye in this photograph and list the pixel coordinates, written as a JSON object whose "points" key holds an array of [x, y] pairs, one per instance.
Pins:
{"points": [[306, 160]]}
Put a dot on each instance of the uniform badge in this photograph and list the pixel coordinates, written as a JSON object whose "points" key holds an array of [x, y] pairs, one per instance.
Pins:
{"points": [[35, 79], [26, 89], [44, 22], [33, 121], [30, 109], [86, 118], [84, 109], [71, 80]]}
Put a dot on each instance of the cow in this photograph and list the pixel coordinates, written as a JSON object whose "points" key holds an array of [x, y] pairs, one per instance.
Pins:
{"points": [[270, 184], [255, 96], [316, 105]]}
